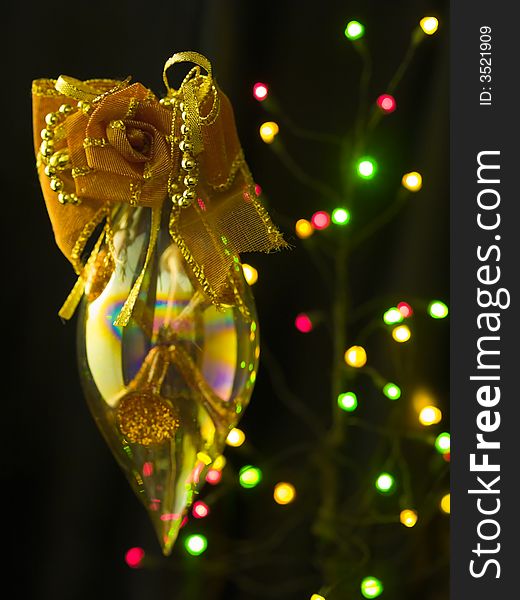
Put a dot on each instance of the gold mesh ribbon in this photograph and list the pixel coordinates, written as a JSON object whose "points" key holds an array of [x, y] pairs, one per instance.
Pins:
{"points": [[118, 143]]}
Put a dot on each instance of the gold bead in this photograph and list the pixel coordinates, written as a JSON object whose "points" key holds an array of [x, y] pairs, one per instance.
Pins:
{"points": [[56, 185], [165, 101], [188, 163], [60, 159], [64, 198], [189, 194], [181, 106], [49, 170], [180, 200], [117, 124], [65, 109], [190, 181], [47, 134], [84, 107], [184, 202], [52, 119], [47, 148], [186, 146], [185, 130], [184, 115]]}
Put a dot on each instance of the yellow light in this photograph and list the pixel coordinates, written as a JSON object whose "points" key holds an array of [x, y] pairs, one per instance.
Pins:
{"points": [[268, 131], [204, 458], [284, 493], [412, 181], [236, 437], [356, 356], [401, 334], [304, 229], [408, 517], [430, 415], [445, 504], [219, 463], [429, 25], [317, 597], [250, 273]]}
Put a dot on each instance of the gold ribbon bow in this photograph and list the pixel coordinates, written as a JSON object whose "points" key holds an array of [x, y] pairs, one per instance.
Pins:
{"points": [[101, 142]]}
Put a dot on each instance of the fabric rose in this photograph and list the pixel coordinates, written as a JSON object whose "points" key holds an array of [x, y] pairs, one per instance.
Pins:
{"points": [[120, 149]]}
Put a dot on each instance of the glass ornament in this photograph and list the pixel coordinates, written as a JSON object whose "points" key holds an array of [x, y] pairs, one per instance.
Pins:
{"points": [[166, 389]]}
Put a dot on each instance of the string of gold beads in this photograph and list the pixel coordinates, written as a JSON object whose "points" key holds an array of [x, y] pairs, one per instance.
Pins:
{"points": [[56, 160], [188, 164]]}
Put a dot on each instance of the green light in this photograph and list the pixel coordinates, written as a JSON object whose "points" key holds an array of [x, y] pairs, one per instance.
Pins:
{"points": [[195, 544], [366, 167], [392, 391], [249, 476], [385, 483], [354, 30], [347, 401], [371, 587], [442, 443], [437, 309], [392, 316], [340, 216]]}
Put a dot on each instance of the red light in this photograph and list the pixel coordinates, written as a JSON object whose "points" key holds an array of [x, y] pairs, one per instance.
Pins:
{"points": [[197, 470], [303, 323], [200, 510], [260, 91], [405, 309], [387, 103], [213, 476], [147, 469], [134, 556], [320, 220], [170, 517], [184, 522], [446, 457], [258, 189], [201, 203]]}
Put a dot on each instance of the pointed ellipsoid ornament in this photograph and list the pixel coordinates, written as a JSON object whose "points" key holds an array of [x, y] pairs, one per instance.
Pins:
{"points": [[165, 389], [152, 202]]}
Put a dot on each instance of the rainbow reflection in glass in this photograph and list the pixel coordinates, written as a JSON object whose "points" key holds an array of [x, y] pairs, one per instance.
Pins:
{"points": [[178, 361]]}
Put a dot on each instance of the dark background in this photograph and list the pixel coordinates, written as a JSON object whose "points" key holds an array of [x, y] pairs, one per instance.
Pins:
{"points": [[70, 513]]}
